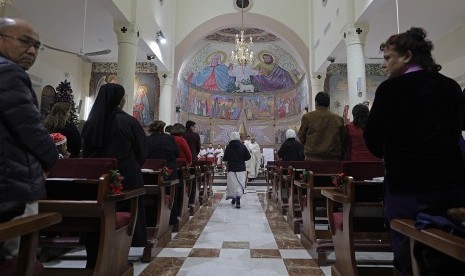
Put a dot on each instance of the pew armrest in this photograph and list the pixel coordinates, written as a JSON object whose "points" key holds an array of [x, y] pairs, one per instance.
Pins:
{"points": [[21, 226], [438, 239], [335, 195], [126, 194]]}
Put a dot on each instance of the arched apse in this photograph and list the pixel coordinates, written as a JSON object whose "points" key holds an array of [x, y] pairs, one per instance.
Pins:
{"points": [[263, 115], [191, 42]]}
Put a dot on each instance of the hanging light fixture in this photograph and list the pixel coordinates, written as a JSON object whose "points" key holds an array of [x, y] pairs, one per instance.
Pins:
{"points": [[5, 2], [243, 53]]}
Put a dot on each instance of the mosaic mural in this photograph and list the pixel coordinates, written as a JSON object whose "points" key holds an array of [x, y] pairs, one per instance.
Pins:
{"points": [[251, 99], [274, 69], [146, 88]]}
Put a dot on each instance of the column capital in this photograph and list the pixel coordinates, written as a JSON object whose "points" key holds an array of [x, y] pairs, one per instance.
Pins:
{"points": [[355, 33], [126, 32]]}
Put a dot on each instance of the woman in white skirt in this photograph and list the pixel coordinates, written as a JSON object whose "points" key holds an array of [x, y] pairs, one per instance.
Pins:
{"points": [[235, 156]]}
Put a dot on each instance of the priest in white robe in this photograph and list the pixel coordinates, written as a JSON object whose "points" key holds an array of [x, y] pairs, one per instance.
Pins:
{"points": [[255, 160]]}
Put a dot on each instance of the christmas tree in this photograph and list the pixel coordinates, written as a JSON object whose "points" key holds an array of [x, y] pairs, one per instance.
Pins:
{"points": [[64, 94]]}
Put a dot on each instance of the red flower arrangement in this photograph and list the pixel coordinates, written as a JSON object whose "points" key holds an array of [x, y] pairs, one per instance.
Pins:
{"points": [[290, 170], [340, 181], [116, 179], [166, 172], [303, 176]]}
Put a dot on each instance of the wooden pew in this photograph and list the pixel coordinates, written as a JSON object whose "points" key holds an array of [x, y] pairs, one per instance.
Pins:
{"points": [[28, 228], [194, 194], [282, 181], [274, 178], [319, 242], [438, 239], [314, 232], [180, 216], [159, 199], [363, 170], [207, 170], [359, 227], [269, 177], [83, 196]]}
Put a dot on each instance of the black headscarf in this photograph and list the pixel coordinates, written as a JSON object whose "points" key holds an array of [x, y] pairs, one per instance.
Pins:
{"points": [[98, 125]]}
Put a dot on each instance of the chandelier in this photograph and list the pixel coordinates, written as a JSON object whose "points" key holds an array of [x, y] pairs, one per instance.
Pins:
{"points": [[4, 2], [243, 53]]}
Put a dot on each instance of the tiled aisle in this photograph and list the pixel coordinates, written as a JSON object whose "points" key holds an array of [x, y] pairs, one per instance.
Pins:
{"points": [[223, 240]]}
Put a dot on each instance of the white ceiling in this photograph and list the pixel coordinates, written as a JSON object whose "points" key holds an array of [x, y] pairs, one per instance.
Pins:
{"points": [[437, 17], [61, 23]]}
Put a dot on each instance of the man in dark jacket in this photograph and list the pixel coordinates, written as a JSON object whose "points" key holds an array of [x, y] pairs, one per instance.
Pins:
{"points": [[27, 152], [192, 138]]}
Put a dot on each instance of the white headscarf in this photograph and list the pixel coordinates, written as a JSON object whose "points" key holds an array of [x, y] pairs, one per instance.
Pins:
{"points": [[235, 136], [290, 133]]}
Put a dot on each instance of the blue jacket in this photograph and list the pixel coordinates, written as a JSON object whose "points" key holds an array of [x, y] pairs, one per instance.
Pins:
{"points": [[26, 148]]}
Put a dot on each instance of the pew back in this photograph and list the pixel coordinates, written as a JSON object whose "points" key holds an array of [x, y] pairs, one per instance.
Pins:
{"points": [[359, 227], [81, 191]]}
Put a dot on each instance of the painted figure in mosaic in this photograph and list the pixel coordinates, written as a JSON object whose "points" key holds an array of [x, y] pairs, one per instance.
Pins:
{"points": [[272, 76], [213, 77], [141, 107]]}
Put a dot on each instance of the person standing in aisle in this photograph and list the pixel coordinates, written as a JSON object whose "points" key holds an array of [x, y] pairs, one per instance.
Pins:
{"points": [[235, 155]]}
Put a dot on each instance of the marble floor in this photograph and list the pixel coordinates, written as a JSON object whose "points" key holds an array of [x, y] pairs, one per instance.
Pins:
{"points": [[223, 240]]}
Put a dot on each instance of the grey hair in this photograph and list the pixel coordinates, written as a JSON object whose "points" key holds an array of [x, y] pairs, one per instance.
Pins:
{"points": [[290, 133], [235, 136]]}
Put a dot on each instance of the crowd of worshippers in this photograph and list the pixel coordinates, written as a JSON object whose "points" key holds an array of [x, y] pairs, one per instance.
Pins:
{"points": [[414, 126]]}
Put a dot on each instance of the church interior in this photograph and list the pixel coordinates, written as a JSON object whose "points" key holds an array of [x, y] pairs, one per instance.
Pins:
{"points": [[181, 60]]}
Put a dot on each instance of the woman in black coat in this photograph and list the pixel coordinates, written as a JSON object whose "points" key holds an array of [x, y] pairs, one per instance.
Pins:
{"points": [[291, 149], [415, 124], [162, 146], [112, 133], [235, 154]]}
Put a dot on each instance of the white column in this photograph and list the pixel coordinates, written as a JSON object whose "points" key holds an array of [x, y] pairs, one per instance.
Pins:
{"points": [[354, 37], [318, 85], [127, 35], [166, 112]]}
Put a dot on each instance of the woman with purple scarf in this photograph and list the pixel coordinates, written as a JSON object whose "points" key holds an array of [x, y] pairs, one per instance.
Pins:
{"points": [[415, 125]]}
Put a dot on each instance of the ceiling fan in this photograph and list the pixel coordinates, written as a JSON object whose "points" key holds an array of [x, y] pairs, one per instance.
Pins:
{"points": [[82, 53]]}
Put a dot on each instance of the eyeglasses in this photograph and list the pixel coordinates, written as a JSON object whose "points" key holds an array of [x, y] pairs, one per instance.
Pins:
{"points": [[25, 42]]}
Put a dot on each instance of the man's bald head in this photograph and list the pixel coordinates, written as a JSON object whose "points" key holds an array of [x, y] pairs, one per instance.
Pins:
{"points": [[19, 41]]}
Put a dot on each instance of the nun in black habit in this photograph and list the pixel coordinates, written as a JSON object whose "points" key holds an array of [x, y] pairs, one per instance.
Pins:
{"points": [[110, 132]]}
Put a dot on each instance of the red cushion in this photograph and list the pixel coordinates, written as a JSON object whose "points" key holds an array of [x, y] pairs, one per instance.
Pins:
{"points": [[338, 220], [181, 162], [91, 168], [122, 219], [154, 164], [363, 170]]}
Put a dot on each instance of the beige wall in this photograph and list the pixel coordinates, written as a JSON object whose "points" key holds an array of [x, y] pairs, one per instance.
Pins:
{"points": [[450, 53]]}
